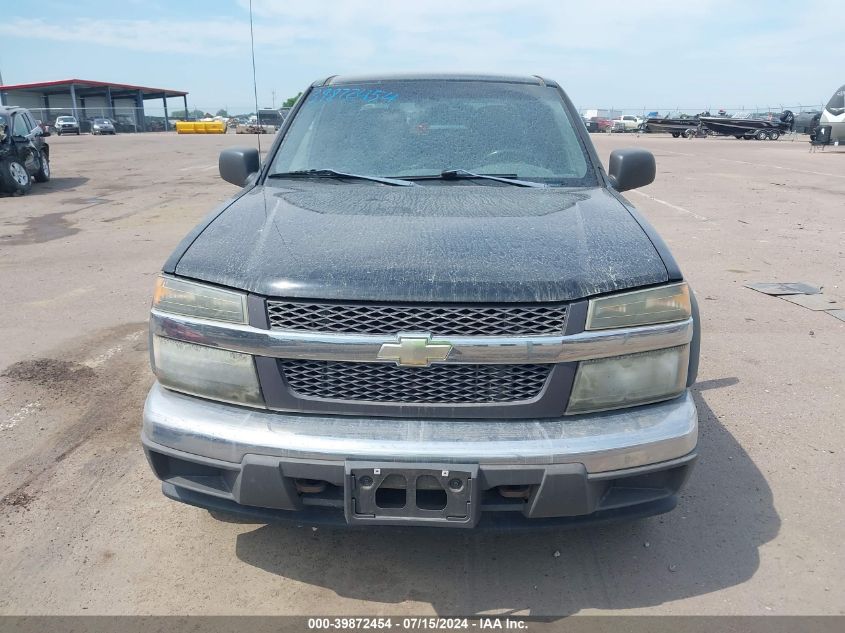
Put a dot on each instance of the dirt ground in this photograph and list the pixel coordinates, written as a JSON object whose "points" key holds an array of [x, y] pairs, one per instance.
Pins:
{"points": [[760, 528]]}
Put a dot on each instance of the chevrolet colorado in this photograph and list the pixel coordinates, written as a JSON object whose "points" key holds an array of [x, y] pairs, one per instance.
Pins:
{"points": [[430, 305]]}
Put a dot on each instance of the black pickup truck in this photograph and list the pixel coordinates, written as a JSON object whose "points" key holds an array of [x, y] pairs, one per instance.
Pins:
{"points": [[430, 305]]}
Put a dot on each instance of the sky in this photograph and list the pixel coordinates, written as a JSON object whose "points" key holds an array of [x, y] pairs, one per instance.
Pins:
{"points": [[661, 55]]}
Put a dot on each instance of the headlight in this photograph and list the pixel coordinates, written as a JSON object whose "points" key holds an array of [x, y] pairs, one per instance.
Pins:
{"points": [[198, 300], [641, 307], [626, 381], [206, 371]]}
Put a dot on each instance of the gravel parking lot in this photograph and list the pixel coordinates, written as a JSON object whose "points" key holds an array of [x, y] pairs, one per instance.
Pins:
{"points": [[84, 528]]}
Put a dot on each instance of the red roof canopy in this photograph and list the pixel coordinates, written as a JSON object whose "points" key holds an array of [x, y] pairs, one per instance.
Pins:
{"points": [[85, 83]]}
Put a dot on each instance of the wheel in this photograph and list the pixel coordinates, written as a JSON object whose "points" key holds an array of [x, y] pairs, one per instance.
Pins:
{"points": [[58, 133], [675, 134], [774, 135], [737, 135], [13, 177], [43, 173], [761, 135]]}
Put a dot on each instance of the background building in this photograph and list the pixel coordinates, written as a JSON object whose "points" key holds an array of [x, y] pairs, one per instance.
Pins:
{"points": [[122, 103]]}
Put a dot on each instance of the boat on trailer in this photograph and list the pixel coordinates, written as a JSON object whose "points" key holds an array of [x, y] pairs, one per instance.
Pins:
{"points": [[760, 128], [676, 126]]}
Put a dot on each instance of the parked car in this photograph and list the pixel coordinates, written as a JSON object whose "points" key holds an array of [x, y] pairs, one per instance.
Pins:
{"points": [[429, 306], [252, 125], [626, 123], [66, 125], [603, 124], [24, 155], [591, 125], [102, 126], [123, 124]]}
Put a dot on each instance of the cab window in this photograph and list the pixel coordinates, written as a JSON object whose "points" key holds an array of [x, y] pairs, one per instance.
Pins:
{"points": [[20, 126]]}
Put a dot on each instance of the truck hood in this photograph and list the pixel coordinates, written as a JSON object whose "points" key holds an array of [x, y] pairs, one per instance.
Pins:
{"points": [[455, 242]]}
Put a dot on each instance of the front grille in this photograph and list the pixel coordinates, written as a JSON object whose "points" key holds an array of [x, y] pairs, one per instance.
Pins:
{"points": [[438, 384], [441, 320]]}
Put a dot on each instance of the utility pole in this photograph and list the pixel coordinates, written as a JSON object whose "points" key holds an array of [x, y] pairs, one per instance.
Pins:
{"points": [[274, 99]]}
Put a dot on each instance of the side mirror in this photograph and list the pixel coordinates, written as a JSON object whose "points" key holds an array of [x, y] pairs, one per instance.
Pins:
{"points": [[631, 168], [238, 164]]}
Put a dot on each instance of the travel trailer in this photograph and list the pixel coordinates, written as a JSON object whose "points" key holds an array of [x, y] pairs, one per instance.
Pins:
{"points": [[834, 116]]}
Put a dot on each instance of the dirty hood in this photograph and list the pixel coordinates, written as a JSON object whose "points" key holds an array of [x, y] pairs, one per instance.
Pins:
{"points": [[439, 242]]}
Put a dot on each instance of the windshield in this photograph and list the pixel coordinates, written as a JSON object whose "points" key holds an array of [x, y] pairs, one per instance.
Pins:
{"points": [[421, 128], [101, 121], [65, 119]]}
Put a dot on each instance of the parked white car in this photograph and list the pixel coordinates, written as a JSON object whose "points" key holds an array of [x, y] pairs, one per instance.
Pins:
{"points": [[626, 123], [66, 125]]}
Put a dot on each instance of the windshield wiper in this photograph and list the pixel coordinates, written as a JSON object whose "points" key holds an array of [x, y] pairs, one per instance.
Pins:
{"points": [[331, 173], [463, 174]]}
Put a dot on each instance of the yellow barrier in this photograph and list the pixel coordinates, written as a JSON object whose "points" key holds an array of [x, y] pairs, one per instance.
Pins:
{"points": [[200, 127]]}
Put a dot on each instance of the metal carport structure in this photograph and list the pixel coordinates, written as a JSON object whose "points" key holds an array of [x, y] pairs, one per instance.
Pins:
{"points": [[76, 95]]}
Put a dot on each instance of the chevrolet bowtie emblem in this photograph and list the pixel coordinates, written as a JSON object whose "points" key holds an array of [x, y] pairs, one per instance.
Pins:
{"points": [[415, 351]]}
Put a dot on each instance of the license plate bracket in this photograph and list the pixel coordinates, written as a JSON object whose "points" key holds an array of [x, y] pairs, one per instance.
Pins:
{"points": [[434, 494]]}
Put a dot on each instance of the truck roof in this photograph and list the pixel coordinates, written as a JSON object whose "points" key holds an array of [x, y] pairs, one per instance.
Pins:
{"points": [[338, 80]]}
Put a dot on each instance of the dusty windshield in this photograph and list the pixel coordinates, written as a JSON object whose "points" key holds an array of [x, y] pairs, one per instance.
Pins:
{"points": [[421, 128]]}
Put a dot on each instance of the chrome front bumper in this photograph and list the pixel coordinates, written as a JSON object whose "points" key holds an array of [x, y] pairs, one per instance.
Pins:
{"points": [[601, 442]]}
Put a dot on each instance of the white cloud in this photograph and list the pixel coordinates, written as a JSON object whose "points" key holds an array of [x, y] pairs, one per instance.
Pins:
{"points": [[493, 31], [651, 50], [209, 37]]}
